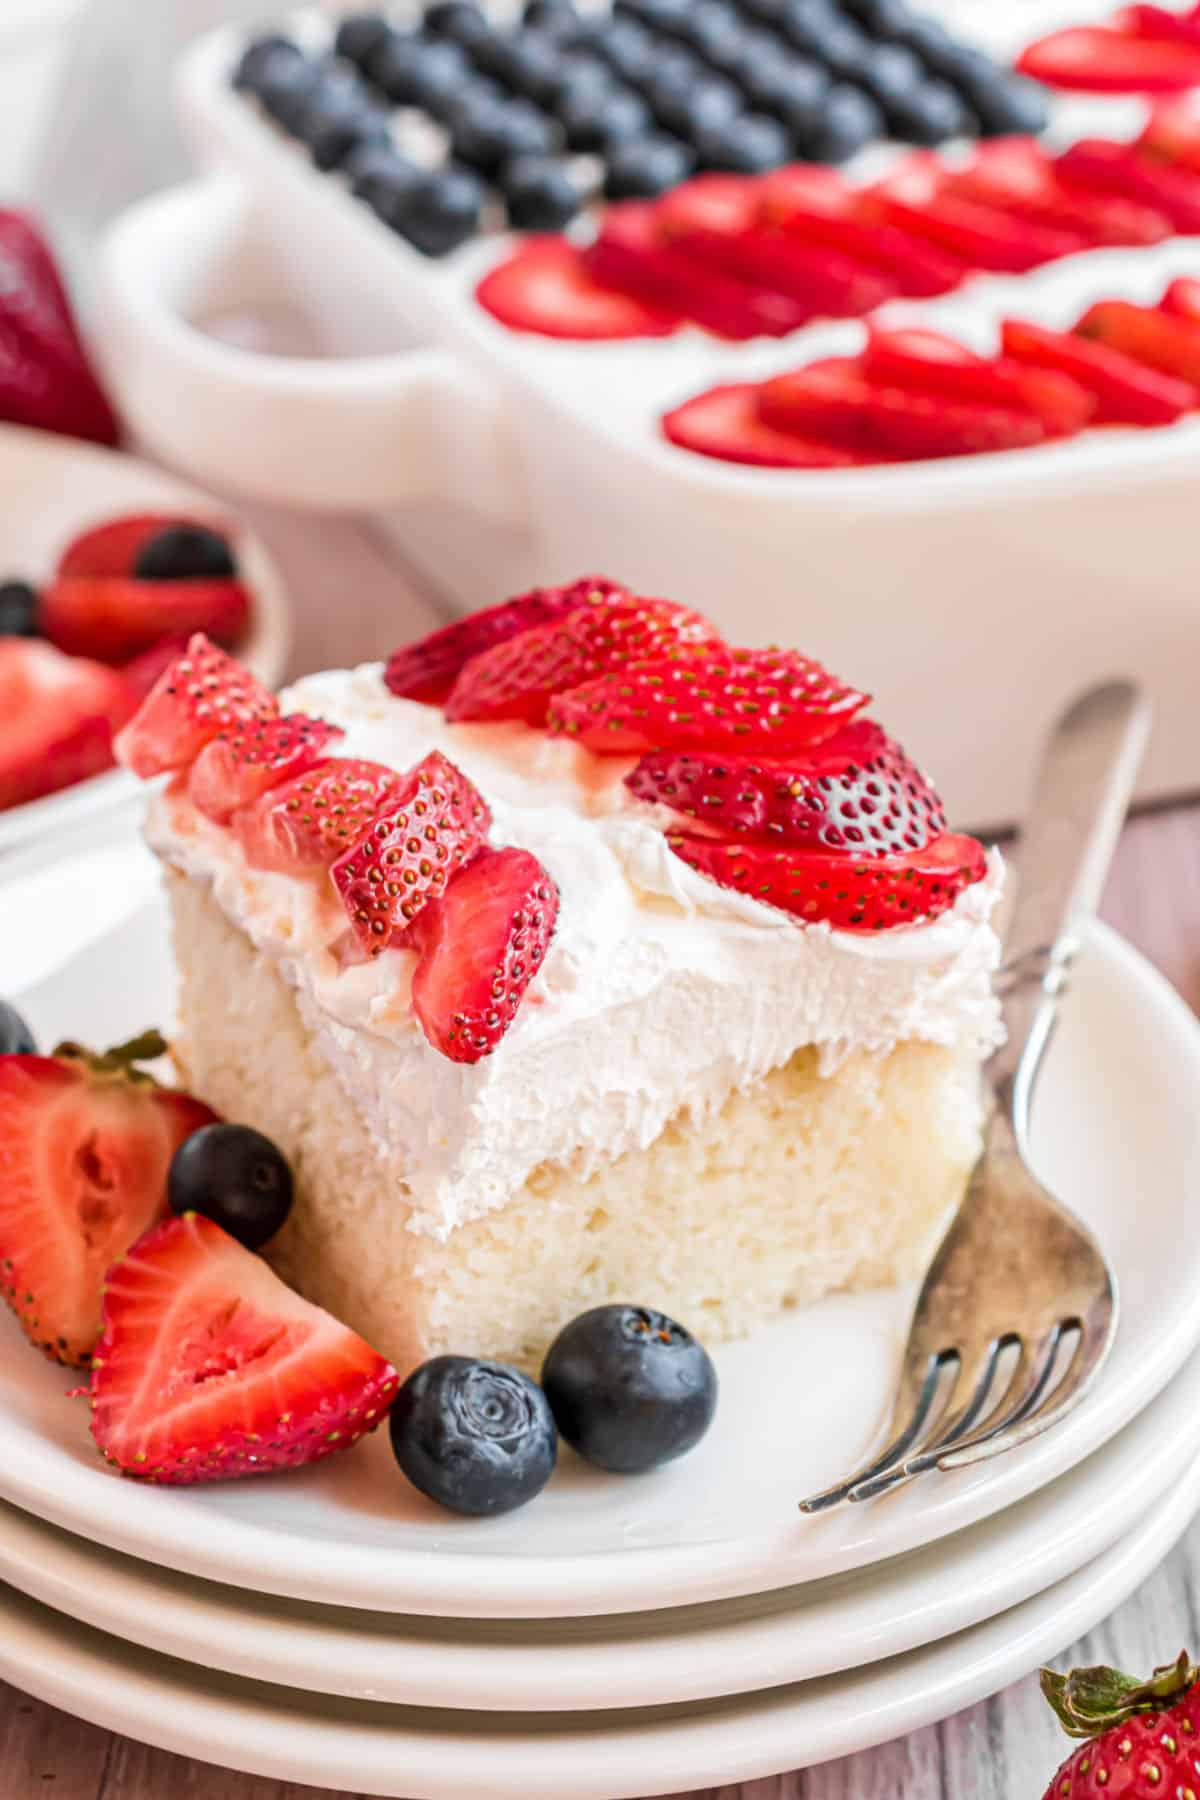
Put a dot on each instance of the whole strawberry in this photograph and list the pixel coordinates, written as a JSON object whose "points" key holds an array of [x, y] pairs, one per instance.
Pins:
{"points": [[1143, 1737]]}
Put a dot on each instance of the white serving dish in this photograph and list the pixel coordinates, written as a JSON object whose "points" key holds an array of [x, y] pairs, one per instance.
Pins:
{"points": [[973, 596]]}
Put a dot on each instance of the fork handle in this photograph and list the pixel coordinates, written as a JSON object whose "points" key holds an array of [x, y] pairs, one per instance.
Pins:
{"points": [[1081, 795]]}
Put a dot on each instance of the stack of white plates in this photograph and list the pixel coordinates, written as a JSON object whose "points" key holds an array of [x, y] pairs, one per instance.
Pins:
{"points": [[621, 1637]]}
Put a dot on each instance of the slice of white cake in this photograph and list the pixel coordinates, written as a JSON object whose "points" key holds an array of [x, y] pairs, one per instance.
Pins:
{"points": [[703, 1104]]}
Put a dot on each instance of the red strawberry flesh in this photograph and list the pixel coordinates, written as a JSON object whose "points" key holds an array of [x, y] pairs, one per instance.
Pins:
{"points": [[83, 1173], [518, 679], [1148, 335], [481, 944], [247, 761], [548, 289], [46, 377], [872, 894], [751, 701], [929, 362], [1018, 176], [1112, 168], [1126, 392], [114, 618], [427, 669], [111, 547], [210, 1368], [303, 825], [59, 715], [724, 423], [1182, 299], [435, 822], [1094, 59], [202, 694], [835, 399], [857, 793]]}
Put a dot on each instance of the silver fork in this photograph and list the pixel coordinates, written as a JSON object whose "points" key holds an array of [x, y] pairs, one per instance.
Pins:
{"points": [[1019, 1308]]}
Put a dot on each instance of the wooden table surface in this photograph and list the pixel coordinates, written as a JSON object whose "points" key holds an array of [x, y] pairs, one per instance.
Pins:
{"points": [[1007, 1747]]}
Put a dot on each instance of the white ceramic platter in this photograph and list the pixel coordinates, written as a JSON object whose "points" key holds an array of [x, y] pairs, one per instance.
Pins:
{"points": [[1117, 1134], [425, 1754], [679, 1654], [54, 488]]}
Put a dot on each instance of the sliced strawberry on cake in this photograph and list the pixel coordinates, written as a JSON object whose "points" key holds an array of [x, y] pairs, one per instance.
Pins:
{"points": [[1018, 175], [59, 715], [304, 825], [1096, 59], [1181, 299], [725, 423], [930, 362], [481, 944], [248, 760], [210, 1368], [427, 669], [1111, 168], [549, 289], [1148, 335], [202, 693], [85, 1145], [1126, 391]]}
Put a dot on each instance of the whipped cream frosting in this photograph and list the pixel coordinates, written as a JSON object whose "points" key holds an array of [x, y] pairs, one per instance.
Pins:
{"points": [[661, 990]]}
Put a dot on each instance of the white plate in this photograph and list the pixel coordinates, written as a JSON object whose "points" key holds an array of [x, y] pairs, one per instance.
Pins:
{"points": [[689, 1653], [54, 488], [426, 1754], [1117, 1133]]}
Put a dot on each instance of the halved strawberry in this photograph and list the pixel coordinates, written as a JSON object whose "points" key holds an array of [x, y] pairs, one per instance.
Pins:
{"points": [[917, 197], [433, 824], [58, 715], [724, 422], [1148, 335], [209, 1368], [85, 1144], [1124, 169], [816, 207], [245, 761], [837, 400], [518, 679], [427, 669], [630, 254], [46, 377], [481, 944], [1018, 175], [204, 692], [111, 548], [1094, 59], [1127, 393], [1172, 132], [874, 894], [114, 618], [548, 288], [770, 701], [933, 363], [1182, 299], [303, 825], [856, 793]]}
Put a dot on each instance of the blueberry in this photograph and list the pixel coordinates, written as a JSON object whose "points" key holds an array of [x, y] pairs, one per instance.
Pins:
{"points": [[629, 1388], [794, 91], [558, 17], [844, 48], [477, 1437], [16, 1039], [746, 144], [583, 74], [930, 114], [461, 21], [890, 72], [851, 121], [260, 56], [882, 18], [337, 120], [597, 121], [647, 167], [285, 89], [1004, 103], [628, 51], [392, 66], [487, 136], [539, 194], [715, 33], [234, 1176], [360, 35], [529, 64], [443, 212], [185, 553], [18, 611], [665, 16], [810, 26], [671, 83], [384, 179], [441, 72], [766, 12], [709, 103]]}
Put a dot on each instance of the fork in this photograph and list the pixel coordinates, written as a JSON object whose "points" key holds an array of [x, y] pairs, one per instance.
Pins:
{"points": [[1019, 1308]]}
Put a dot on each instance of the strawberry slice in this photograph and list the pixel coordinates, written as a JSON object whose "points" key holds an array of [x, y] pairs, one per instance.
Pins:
{"points": [[1018, 175], [111, 548], [204, 692], [1172, 133], [247, 761], [857, 793], [433, 824], [771, 701], [549, 289], [481, 944], [815, 207], [1156, 22], [209, 1368], [836, 400], [930, 362], [46, 377], [85, 1144], [724, 423], [142, 674], [518, 679], [1093, 59], [427, 670], [917, 197], [1123, 169], [58, 717], [875, 894], [630, 254], [1126, 392], [303, 825], [113, 618], [1182, 299], [1148, 335]]}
